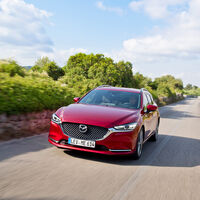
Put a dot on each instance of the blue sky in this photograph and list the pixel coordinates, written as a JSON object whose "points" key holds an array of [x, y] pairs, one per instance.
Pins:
{"points": [[80, 23], [158, 37]]}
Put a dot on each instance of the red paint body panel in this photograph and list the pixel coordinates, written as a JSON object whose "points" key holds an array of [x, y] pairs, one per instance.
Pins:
{"points": [[97, 115]]}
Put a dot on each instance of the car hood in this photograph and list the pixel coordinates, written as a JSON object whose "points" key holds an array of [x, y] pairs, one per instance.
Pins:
{"points": [[97, 115]]}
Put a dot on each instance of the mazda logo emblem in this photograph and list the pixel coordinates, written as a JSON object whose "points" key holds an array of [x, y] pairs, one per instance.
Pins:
{"points": [[82, 128]]}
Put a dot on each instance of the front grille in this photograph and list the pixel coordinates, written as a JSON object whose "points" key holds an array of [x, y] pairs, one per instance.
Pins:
{"points": [[93, 132]]}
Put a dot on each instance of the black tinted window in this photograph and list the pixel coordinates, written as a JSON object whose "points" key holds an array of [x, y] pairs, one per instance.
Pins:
{"points": [[112, 98]]}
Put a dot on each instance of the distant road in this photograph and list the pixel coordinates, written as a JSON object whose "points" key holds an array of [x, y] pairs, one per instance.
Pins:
{"points": [[31, 169]]}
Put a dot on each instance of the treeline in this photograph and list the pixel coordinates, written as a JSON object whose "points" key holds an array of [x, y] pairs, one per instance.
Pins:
{"points": [[48, 86]]}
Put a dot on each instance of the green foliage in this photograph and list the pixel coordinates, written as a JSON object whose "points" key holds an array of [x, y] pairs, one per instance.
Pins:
{"points": [[140, 81], [41, 64], [78, 85], [153, 92], [126, 74], [37, 89], [12, 68], [31, 93], [36, 68], [192, 90], [190, 87], [164, 91], [171, 82], [54, 71], [165, 86], [85, 72]]}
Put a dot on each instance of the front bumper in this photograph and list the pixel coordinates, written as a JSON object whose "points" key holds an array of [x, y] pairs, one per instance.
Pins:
{"points": [[117, 143]]}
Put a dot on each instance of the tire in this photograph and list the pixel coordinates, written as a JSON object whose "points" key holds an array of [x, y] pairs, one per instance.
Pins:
{"points": [[154, 137], [137, 154]]}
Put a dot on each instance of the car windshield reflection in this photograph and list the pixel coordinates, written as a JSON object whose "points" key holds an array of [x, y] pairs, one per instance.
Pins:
{"points": [[110, 98]]}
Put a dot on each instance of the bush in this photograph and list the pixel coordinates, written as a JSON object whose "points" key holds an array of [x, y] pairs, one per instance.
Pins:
{"points": [[31, 93], [12, 68], [54, 71], [46, 65], [164, 91]]}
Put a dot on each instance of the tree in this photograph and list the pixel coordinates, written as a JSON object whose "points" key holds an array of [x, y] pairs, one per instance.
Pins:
{"points": [[41, 64], [171, 82], [12, 68], [188, 86], [54, 71], [164, 90], [126, 74], [81, 63], [140, 81], [100, 69]]}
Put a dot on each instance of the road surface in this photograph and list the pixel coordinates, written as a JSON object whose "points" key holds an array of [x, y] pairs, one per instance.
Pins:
{"points": [[32, 169]]}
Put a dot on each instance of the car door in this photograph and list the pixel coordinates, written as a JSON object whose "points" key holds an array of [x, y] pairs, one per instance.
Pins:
{"points": [[155, 114], [147, 117], [151, 113]]}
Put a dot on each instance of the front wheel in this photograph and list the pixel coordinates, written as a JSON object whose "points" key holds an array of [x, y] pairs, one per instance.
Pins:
{"points": [[137, 154]]}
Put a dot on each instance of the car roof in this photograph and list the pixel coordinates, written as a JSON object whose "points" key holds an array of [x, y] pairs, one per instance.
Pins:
{"points": [[119, 89]]}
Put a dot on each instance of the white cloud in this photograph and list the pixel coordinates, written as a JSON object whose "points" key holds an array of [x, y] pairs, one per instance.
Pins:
{"points": [[22, 30], [167, 50], [180, 39], [117, 10], [23, 36], [157, 8], [136, 5]]}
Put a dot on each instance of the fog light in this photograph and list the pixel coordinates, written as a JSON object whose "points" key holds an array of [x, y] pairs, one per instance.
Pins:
{"points": [[63, 142]]}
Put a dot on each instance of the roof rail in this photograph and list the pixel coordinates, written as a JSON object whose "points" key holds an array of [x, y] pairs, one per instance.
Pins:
{"points": [[104, 86], [144, 89]]}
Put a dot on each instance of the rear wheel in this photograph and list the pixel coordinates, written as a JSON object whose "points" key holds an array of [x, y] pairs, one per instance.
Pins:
{"points": [[137, 154]]}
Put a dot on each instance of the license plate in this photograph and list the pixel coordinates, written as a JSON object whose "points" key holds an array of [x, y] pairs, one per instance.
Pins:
{"points": [[84, 143]]}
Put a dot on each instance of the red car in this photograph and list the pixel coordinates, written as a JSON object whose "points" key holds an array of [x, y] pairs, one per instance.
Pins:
{"points": [[107, 120]]}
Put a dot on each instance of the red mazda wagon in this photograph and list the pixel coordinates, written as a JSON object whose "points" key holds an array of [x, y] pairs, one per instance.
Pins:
{"points": [[107, 120]]}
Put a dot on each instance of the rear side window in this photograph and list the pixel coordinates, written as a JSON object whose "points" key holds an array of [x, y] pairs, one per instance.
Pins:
{"points": [[145, 100], [150, 100]]}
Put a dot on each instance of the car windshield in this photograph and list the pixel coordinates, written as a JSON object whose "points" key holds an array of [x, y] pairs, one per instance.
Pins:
{"points": [[112, 98]]}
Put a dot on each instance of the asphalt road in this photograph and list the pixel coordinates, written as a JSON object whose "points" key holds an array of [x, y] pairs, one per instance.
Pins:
{"points": [[169, 169]]}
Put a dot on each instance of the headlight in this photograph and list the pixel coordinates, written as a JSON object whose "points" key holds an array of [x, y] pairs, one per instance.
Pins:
{"points": [[126, 127], [56, 119]]}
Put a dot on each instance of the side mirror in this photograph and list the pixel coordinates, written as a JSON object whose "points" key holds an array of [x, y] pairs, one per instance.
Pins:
{"points": [[152, 107], [76, 99]]}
